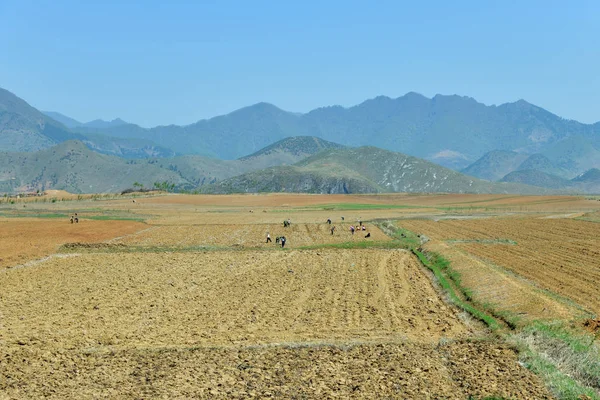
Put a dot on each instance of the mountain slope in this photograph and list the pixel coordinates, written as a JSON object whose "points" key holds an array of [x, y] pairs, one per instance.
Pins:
{"points": [[574, 154], [73, 167], [23, 128], [126, 148], [288, 151], [364, 169], [540, 162], [63, 119], [591, 176], [495, 164], [588, 182], [537, 178], [201, 170]]}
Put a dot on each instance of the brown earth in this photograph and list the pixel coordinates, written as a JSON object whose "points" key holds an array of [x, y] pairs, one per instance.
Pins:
{"points": [[250, 235], [114, 318], [26, 239], [223, 298], [558, 254], [391, 370], [292, 324]]}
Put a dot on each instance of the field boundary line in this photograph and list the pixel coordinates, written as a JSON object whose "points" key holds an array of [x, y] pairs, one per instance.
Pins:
{"points": [[129, 234], [34, 263]]}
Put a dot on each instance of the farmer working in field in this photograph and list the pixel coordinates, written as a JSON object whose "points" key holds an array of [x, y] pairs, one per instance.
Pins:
{"points": [[282, 240], [268, 238]]}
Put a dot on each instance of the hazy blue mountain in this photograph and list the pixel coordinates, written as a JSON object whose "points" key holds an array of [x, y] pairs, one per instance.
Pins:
{"points": [[73, 123], [495, 164], [23, 128], [540, 162], [537, 178], [593, 175], [588, 182], [101, 124], [452, 130], [574, 154], [63, 119]]}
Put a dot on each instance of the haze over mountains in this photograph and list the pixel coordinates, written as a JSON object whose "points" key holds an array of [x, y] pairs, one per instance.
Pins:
{"points": [[486, 142], [95, 124]]}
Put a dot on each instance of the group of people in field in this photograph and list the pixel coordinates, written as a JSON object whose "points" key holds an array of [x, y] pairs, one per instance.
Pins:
{"points": [[74, 218], [287, 223]]}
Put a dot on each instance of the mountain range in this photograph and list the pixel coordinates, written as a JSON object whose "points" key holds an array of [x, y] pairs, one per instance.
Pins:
{"points": [[511, 143], [453, 131], [323, 168]]}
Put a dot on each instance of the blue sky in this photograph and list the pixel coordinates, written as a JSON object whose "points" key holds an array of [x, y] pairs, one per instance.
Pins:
{"points": [[157, 62]]}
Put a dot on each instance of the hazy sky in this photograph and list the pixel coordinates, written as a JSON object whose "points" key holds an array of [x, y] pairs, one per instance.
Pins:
{"points": [[158, 62]]}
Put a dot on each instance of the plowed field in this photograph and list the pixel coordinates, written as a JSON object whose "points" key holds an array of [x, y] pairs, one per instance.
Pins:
{"points": [[316, 323], [195, 304], [458, 371], [25, 239], [297, 235], [559, 254], [223, 298]]}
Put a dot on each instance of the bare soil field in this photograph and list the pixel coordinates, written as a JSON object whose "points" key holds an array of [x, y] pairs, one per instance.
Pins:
{"points": [[459, 370], [223, 298], [313, 323], [559, 254], [250, 235], [26, 239], [195, 304]]}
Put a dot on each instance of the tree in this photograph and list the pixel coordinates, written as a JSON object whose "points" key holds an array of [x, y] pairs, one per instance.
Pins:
{"points": [[166, 186]]}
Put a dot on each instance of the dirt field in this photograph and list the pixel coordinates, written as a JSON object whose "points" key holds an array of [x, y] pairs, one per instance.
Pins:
{"points": [[195, 304], [393, 370], [24, 239], [224, 298], [297, 235], [558, 254], [229, 324]]}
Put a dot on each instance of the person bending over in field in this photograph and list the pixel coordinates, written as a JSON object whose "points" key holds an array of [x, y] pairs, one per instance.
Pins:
{"points": [[72, 219], [368, 235], [277, 240], [329, 221], [352, 229], [332, 229], [282, 240], [268, 238]]}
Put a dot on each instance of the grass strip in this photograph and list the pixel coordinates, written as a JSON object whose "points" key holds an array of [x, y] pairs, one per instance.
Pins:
{"points": [[437, 266], [363, 244], [114, 218], [568, 362]]}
